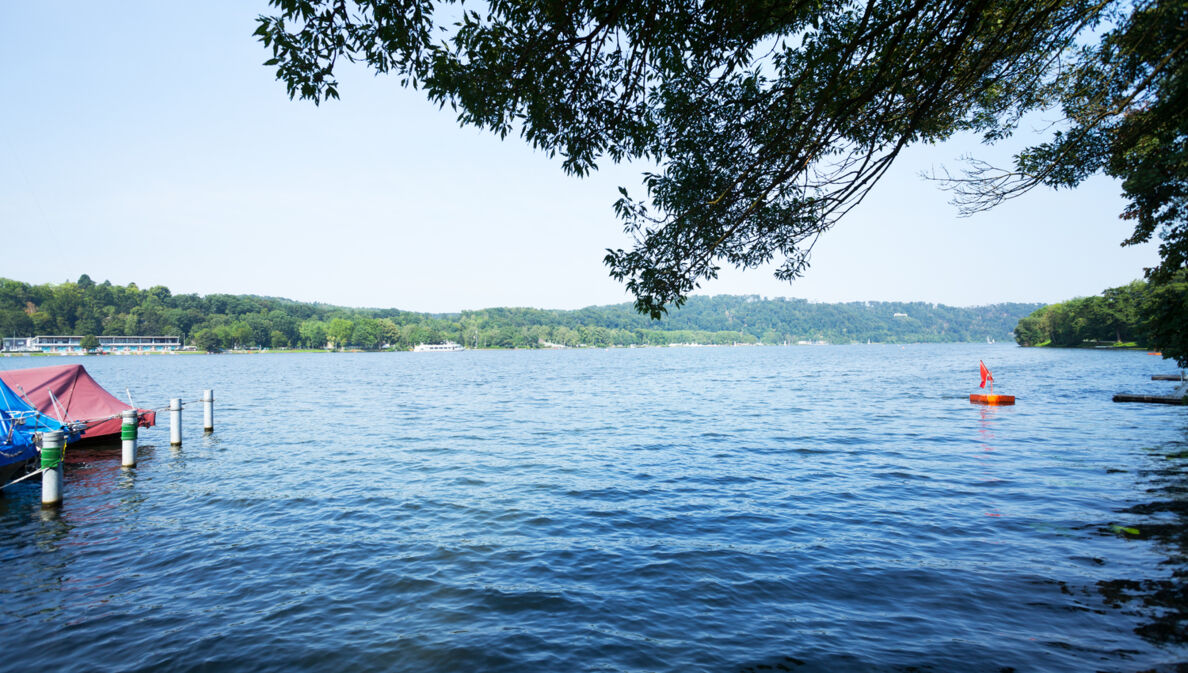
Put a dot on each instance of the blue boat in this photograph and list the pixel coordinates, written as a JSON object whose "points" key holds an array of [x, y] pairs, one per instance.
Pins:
{"points": [[21, 425], [17, 448]]}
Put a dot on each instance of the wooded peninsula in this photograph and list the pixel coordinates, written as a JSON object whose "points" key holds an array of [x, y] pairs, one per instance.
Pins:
{"points": [[1140, 314], [222, 321]]}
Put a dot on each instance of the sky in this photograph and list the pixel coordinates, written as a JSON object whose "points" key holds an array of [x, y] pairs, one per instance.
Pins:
{"points": [[145, 142]]}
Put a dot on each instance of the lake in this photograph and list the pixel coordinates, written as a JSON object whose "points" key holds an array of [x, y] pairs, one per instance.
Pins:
{"points": [[834, 508]]}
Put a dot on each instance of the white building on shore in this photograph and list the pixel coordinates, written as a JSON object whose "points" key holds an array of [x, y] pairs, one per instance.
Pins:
{"points": [[107, 344]]}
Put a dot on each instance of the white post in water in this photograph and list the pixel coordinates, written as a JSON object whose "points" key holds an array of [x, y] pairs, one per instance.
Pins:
{"points": [[208, 411], [175, 408], [51, 465], [129, 420]]}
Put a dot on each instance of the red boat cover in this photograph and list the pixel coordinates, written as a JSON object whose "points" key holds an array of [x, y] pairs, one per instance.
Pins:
{"points": [[77, 393]]}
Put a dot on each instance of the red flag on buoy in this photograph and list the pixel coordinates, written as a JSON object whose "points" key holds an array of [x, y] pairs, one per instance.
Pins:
{"points": [[986, 376]]}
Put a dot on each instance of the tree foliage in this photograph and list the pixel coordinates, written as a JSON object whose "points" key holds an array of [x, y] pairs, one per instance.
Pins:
{"points": [[770, 120], [1135, 313], [1164, 316], [1123, 100]]}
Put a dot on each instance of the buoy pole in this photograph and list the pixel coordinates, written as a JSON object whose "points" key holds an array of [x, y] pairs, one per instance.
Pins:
{"points": [[129, 420], [208, 411], [175, 434], [51, 466]]}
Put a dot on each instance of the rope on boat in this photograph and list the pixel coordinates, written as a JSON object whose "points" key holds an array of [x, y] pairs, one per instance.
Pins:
{"points": [[32, 474], [95, 421]]}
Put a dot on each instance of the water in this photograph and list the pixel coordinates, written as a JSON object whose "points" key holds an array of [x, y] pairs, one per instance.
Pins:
{"points": [[713, 509]]}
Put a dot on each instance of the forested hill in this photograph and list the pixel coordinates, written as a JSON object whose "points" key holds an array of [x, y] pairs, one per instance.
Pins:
{"points": [[779, 320], [245, 321]]}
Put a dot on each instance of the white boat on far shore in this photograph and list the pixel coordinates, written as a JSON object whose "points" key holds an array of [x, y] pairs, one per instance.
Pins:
{"points": [[447, 347]]}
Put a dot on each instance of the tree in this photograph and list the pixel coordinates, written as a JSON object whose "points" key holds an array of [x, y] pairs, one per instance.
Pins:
{"points": [[242, 335], [207, 340], [15, 322], [89, 342], [113, 325], [283, 323], [1029, 331], [87, 326], [42, 321], [389, 332], [1164, 317], [366, 333], [769, 121], [1121, 305], [339, 332], [313, 333], [160, 292], [224, 336], [414, 334]]}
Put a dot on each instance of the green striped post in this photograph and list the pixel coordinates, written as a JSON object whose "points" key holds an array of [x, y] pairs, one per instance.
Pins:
{"points": [[51, 466], [128, 424]]}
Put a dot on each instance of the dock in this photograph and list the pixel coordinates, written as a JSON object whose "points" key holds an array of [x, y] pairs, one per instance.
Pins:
{"points": [[1153, 399], [1179, 395]]}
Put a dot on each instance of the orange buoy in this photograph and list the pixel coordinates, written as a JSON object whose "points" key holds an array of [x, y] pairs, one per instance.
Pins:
{"points": [[991, 399]]}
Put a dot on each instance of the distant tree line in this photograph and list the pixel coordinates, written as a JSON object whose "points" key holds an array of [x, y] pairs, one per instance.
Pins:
{"points": [[221, 321], [1144, 314]]}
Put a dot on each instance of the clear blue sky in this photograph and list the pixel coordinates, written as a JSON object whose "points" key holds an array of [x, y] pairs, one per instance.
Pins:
{"points": [[144, 142]]}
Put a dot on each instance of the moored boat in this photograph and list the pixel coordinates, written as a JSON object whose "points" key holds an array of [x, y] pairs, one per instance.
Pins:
{"points": [[17, 449], [447, 347], [21, 425], [68, 394]]}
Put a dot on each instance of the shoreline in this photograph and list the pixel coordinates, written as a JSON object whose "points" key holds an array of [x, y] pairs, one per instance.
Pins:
{"points": [[1095, 345], [293, 351]]}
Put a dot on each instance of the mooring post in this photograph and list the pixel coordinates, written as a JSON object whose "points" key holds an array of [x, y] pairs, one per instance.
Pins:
{"points": [[208, 411], [175, 409], [51, 465], [129, 422]]}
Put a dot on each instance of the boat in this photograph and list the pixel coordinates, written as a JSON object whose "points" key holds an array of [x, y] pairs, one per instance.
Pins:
{"points": [[447, 347], [21, 426], [68, 395], [17, 449]]}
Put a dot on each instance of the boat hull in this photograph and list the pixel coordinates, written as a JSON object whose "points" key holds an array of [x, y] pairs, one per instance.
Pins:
{"points": [[14, 458]]}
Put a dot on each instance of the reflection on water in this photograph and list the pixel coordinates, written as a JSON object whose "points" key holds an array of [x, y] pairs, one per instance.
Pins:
{"points": [[1160, 600], [987, 415]]}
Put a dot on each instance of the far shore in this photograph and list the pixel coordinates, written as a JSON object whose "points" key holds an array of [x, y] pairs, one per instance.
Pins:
{"points": [[288, 351]]}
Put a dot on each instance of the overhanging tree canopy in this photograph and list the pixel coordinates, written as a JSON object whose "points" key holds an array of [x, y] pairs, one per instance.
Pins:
{"points": [[770, 120]]}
